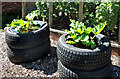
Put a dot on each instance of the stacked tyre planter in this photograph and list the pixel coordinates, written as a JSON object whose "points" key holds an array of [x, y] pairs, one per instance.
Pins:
{"points": [[81, 63], [27, 47]]}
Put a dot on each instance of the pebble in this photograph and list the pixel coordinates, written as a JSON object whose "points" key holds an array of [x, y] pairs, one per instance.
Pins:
{"points": [[113, 57], [48, 54], [12, 73], [38, 62]]}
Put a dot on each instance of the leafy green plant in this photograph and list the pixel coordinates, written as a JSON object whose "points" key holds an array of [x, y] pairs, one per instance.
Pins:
{"points": [[108, 11], [70, 9], [89, 19], [22, 26], [80, 35], [43, 7], [33, 14]]}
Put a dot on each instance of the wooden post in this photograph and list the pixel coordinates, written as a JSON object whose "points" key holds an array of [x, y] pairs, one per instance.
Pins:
{"points": [[119, 33], [81, 11], [23, 9], [1, 15], [50, 14]]}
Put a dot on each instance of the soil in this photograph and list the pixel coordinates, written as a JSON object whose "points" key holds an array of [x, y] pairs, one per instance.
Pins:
{"points": [[46, 67]]}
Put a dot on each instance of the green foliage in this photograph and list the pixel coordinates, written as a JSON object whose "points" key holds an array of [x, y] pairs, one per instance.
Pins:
{"points": [[33, 14], [22, 26], [89, 19], [80, 33], [70, 9], [43, 7], [108, 11]]}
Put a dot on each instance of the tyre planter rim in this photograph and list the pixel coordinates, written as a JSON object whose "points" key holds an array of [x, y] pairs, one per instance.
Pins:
{"points": [[104, 46], [43, 26]]}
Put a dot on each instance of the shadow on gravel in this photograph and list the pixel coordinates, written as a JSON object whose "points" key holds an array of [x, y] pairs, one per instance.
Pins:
{"points": [[116, 72], [47, 64]]}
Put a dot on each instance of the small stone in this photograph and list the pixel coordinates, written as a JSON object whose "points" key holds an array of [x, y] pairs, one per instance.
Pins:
{"points": [[33, 63], [27, 74], [17, 75], [33, 68], [38, 62], [25, 71], [48, 54], [113, 57], [48, 76], [12, 73]]}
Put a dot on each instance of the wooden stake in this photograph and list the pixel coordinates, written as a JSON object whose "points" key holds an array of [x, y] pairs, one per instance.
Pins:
{"points": [[119, 33], [1, 15], [23, 9], [50, 14], [81, 11]]}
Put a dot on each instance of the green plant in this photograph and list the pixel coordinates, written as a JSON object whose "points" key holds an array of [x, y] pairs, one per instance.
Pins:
{"points": [[22, 26], [70, 9], [33, 14], [108, 11], [79, 34], [89, 19], [43, 7]]}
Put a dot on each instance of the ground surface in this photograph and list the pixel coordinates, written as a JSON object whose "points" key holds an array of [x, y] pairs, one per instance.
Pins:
{"points": [[46, 67]]}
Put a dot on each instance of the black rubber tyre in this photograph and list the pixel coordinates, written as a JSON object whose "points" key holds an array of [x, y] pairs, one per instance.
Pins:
{"points": [[28, 55], [84, 59], [27, 40], [66, 73]]}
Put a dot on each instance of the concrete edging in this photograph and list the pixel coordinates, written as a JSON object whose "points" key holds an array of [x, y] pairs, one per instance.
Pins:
{"points": [[115, 45]]}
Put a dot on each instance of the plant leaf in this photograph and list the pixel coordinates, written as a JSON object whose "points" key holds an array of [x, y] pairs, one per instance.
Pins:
{"points": [[70, 42]]}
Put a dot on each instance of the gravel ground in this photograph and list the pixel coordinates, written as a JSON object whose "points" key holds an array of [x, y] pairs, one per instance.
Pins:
{"points": [[46, 67]]}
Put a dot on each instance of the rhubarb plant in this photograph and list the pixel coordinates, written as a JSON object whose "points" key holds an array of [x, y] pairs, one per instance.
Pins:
{"points": [[79, 33]]}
